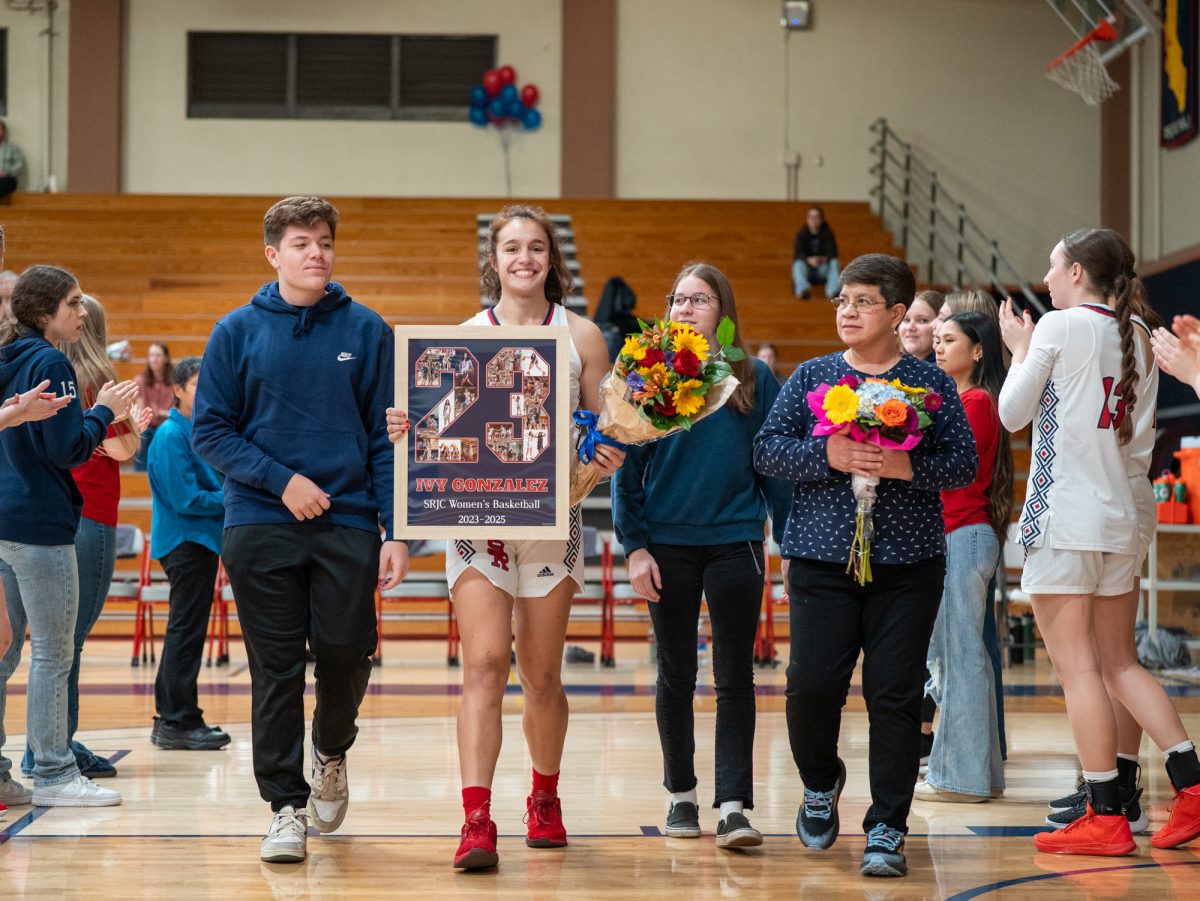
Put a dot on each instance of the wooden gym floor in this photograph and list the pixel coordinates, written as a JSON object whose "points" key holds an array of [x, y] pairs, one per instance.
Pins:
{"points": [[191, 822]]}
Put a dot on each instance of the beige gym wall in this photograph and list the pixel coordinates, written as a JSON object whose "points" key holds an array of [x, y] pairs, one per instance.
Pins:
{"points": [[167, 152], [961, 79]]}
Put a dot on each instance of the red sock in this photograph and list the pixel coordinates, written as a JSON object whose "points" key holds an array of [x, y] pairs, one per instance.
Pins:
{"points": [[545, 783], [474, 797]]}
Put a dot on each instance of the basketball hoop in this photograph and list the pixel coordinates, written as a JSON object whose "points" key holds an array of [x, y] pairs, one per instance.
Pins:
{"points": [[1082, 70]]}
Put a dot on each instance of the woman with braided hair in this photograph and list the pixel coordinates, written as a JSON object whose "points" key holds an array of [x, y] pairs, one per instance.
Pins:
{"points": [[1087, 373]]}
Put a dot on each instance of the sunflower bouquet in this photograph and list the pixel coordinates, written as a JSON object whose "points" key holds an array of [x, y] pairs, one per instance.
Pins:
{"points": [[885, 413], [665, 379]]}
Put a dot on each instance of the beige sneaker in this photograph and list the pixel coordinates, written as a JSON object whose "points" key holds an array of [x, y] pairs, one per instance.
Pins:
{"points": [[926, 792], [14, 794], [330, 794], [287, 839]]}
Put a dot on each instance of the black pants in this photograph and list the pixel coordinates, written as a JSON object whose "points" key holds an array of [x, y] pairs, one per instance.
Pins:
{"points": [[292, 583], [8, 185], [192, 569], [730, 578], [890, 620]]}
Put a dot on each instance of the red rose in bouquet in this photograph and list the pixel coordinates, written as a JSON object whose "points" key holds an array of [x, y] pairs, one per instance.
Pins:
{"points": [[686, 363], [653, 355], [666, 406]]}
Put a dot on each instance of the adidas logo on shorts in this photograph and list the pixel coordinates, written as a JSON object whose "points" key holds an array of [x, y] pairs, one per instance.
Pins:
{"points": [[546, 573]]}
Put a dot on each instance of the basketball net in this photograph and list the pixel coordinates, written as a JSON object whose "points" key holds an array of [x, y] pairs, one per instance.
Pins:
{"points": [[1081, 70]]}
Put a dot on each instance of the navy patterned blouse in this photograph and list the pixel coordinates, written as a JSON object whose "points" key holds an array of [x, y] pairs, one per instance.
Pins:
{"points": [[908, 515]]}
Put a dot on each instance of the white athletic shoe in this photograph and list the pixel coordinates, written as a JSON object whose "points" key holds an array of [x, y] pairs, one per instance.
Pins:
{"points": [[287, 839], [330, 793], [14, 794], [79, 792]]}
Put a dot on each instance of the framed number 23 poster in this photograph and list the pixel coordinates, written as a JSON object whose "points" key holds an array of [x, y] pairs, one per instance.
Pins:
{"points": [[487, 453]]}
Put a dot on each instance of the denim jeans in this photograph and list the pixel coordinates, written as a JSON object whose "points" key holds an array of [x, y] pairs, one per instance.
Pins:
{"points": [[991, 641], [96, 554], [889, 620], [803, 275], [728, 576], [41, 585], [966, 747], [296, 582]]}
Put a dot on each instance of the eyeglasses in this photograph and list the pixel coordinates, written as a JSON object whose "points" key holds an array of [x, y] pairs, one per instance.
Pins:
{"points": [[698, 301], [860, 304]]}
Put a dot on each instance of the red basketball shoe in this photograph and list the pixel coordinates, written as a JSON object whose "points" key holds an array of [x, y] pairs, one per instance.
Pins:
{"points": [[477, 850], [1103, 836], [1184, 822], [544, 816]]}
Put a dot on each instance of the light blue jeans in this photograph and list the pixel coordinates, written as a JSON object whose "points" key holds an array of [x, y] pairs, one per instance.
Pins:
{"points": [[803, 276], [41, 586], [966, 747], [96, 554]]}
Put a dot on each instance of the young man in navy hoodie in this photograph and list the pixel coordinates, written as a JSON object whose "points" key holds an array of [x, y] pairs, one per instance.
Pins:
{"points": [[290, 407]]}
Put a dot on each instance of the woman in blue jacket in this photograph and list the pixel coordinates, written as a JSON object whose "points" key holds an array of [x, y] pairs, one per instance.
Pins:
{"points": [[38, 521], [673, 562]]}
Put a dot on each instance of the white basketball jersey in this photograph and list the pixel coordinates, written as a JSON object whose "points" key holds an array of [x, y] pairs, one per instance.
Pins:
{"points": [[556, 316], [1085, 490]]}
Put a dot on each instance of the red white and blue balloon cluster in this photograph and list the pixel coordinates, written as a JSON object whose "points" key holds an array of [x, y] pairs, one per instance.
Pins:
{"points": [[498, 101]]}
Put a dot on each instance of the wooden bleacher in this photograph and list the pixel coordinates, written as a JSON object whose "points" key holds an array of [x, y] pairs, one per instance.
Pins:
{"points": [[167, 267]]}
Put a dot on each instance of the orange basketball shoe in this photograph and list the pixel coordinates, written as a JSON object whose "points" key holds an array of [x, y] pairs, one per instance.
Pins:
{"points": [[477, 850], [1103, 836], [1184, 822], [544, 816]]}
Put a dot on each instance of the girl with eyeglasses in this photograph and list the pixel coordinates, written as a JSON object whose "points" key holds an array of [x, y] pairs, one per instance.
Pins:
{"points": [[682, 544], [1086, 372], [965, 763]]}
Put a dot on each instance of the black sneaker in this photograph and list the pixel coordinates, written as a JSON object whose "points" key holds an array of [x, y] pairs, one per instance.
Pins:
{"points": [[201, 738], [735, 831], [1138, 821], [926, 750], [883, 855], [1070, 802], [817, 821], [683, 820]]}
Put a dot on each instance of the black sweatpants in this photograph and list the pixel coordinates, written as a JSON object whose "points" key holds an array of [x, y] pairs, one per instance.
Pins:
{"points": [[314, 582], [890, 620], [192, 569], [729, 576]]}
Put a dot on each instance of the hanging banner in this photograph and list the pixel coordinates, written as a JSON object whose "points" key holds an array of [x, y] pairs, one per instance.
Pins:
{"points": [[1179, 66], [488, 453]]}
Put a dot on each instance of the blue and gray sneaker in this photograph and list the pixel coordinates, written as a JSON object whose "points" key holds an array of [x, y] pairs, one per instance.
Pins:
{"points": [[883, 855], [817, 820]]}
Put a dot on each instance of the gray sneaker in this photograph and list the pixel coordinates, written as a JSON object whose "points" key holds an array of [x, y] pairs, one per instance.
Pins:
{"points": [[883, 855], [78, 792], [683, 820], [14, 794], [817, 821], [287, 839], [735, 831], [330, 795]]}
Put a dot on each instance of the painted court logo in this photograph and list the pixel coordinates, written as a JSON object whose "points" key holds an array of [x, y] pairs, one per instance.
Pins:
{"points": [[346, 355]]}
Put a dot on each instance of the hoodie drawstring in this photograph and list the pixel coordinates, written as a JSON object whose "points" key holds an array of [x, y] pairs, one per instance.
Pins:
{"points": [[304, 322]]}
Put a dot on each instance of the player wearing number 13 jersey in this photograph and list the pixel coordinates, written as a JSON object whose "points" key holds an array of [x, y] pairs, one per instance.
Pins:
{"points": [[504, 589], [1086, 377]]}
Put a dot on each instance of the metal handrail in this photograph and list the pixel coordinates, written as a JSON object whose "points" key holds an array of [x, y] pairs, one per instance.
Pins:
{"points": [[935, 230]]}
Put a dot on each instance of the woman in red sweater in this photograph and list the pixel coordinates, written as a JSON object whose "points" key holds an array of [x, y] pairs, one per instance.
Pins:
{"points": [[965, 764]]}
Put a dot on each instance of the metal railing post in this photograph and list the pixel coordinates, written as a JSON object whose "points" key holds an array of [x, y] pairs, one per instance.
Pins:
{"points": [[883, 135], [907, 194], [933, 195], [962, 240]]}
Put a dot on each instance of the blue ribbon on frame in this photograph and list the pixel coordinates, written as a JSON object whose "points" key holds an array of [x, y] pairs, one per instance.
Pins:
{"points": [[592, 436]]}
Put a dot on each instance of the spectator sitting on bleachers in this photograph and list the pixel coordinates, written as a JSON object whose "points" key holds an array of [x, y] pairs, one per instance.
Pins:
{"points": [[814, 256]]}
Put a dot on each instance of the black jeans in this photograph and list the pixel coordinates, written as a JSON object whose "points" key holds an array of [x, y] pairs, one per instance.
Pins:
{"points": [[730, 578], [192, 569], [890, 620], [292, 583]]}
